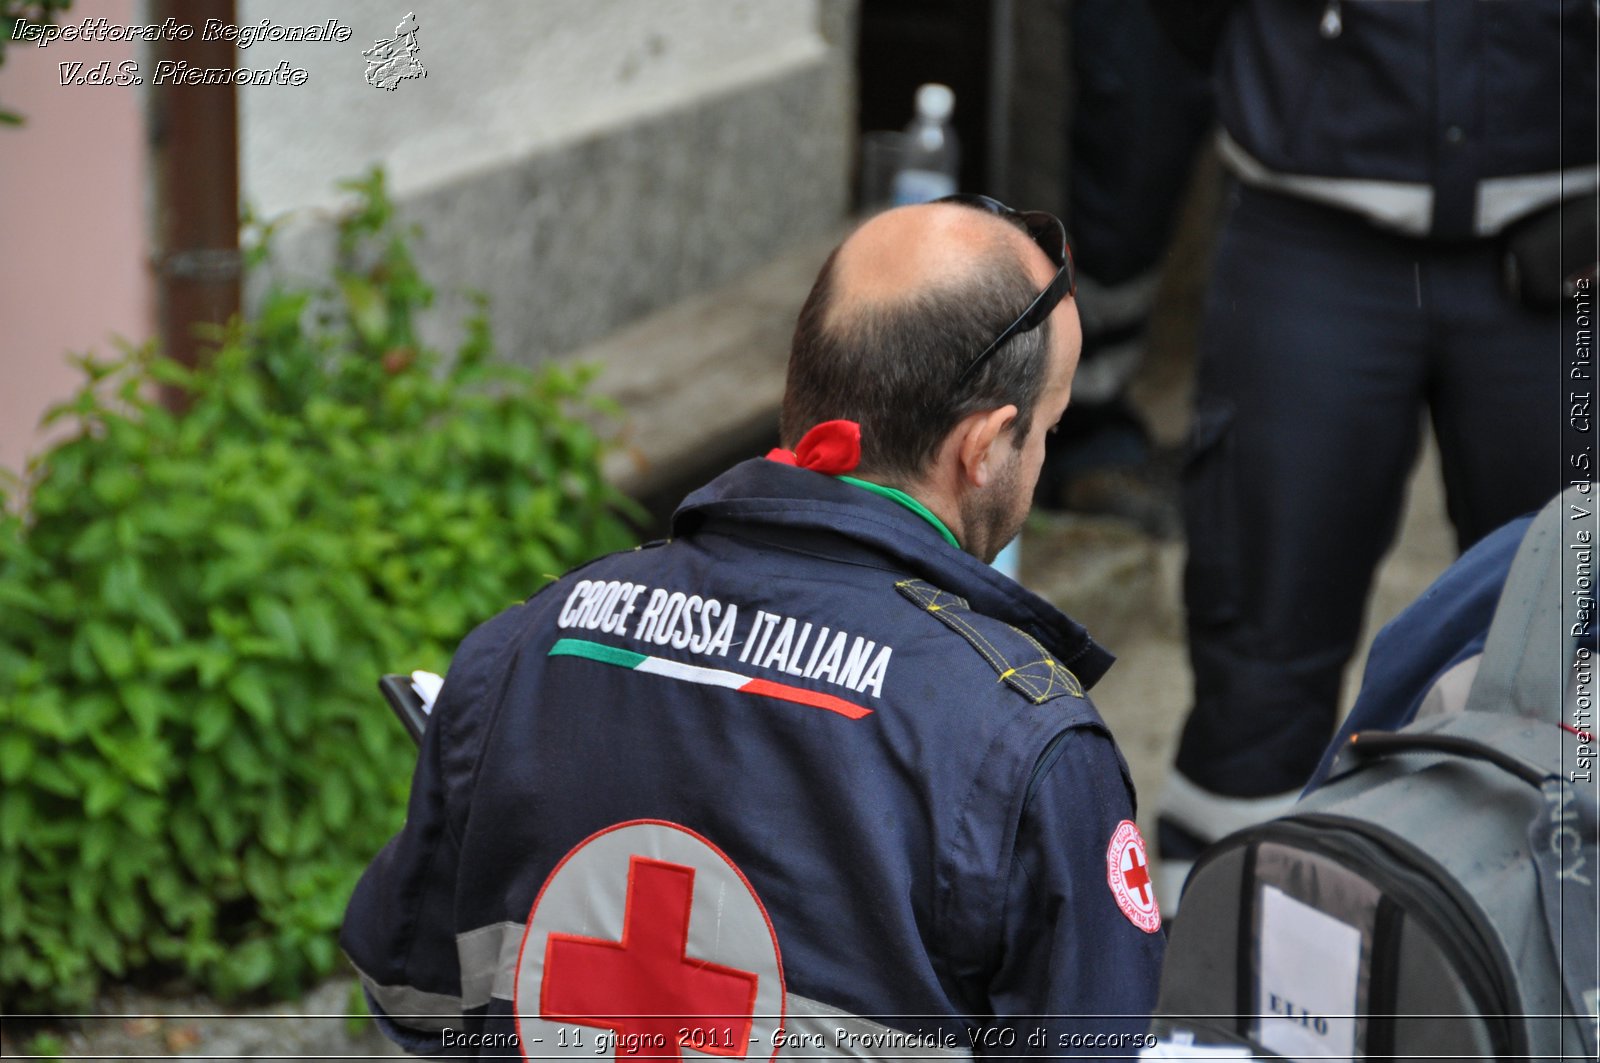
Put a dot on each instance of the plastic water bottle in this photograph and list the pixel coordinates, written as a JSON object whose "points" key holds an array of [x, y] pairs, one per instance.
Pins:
{"points": [[931, 156]]}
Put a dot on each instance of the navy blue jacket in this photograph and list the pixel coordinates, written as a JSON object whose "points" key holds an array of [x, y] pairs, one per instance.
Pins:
{"points": [[1431, 118], [937, 864]]}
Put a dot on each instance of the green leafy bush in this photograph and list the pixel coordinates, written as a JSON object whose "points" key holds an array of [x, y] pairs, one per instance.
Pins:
{"points": [[194, 760]]}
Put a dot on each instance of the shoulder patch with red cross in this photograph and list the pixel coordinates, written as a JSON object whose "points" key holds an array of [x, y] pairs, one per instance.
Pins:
{"points": [[1128, 875]]}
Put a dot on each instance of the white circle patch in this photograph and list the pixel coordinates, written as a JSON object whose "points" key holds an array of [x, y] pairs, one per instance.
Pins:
{"points": [[647, 941], [1128, 875]]}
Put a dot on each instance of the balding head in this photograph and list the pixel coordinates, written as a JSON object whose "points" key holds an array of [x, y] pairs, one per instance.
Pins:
{"points": [[915, 250], [899, 310]]}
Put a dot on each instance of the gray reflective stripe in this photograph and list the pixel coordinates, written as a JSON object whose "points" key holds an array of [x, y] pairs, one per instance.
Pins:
{"points": [[489, 967], [1407, 206], [1502, 200], [414, 1009], [488, 962], [1107, 375], [1404, 206], [1210, 816], [846, 1036], [1103, 307]]}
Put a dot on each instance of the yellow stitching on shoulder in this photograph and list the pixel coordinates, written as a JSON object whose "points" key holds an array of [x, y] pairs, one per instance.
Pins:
{"points": [[975, 637], [1024, 679], [1068, 681]]}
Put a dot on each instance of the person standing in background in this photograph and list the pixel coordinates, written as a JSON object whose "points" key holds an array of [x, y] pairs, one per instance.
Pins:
{"points": [[1393, 163], [1139, 119]]}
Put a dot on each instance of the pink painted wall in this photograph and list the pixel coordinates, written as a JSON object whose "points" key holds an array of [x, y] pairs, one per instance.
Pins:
{"points": [[73, 245]]}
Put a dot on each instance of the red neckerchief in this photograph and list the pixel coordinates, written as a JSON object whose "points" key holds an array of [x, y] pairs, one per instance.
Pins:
{"points": [[832, 447]]}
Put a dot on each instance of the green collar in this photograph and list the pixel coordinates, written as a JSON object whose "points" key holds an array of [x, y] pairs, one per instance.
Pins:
{"points": [[894, 494]]}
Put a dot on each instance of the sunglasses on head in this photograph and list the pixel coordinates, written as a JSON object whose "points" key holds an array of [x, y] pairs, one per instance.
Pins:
{"points": [[1046, 231]]}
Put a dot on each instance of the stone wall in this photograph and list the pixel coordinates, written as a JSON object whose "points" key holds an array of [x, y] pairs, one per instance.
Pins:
{"points": [[582, 162]]}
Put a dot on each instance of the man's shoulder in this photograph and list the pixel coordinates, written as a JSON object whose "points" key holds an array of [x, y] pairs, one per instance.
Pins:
{"points": [[1011, 655]]}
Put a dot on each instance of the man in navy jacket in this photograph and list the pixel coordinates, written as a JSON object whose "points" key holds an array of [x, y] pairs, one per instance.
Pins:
{"points": [[810, 777]]}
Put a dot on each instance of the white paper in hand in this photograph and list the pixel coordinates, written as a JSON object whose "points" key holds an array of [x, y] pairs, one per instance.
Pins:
{"points": [[427, 686]]}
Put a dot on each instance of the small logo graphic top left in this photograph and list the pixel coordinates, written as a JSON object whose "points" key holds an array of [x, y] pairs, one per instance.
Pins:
{"points": [[392, 61]]}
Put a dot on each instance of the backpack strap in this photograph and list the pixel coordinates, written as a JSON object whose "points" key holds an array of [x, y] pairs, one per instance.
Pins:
{"points": [[1523, 668]]}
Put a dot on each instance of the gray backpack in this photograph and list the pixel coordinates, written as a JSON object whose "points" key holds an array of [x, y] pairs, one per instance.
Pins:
{"points": [[1436, 898]]}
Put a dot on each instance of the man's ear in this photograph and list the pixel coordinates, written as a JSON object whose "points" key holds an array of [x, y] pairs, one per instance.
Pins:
{"points": [[977, 436]]}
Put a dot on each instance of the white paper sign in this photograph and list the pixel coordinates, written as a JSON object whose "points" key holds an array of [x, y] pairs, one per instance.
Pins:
{"points": [[1309, 970]]}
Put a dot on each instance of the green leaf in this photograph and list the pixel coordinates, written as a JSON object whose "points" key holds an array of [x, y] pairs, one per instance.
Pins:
{"points": [[263, 877], [110, 648], [80, 659], [249, 689], [145, 813], [16, 596], [214, 660], [147, 705], [115, 487], [159, 617], [42, 713], [226, 825], [367, 310], [97, 543], [320, 636], [274, 619], [242, 759], [323, 954], [139, 758], [16, 756], [338, 803], [99, 841], [212, 717], [123, 584], [126, 913], [103, 793], [308, 835], [16, 813], [92, 714], [210, 788], [276, 826], [194, 842], [51, 777], [248, 966]]}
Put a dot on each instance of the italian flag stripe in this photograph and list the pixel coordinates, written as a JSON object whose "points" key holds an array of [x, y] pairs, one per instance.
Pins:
{"points": [[715, 677]]}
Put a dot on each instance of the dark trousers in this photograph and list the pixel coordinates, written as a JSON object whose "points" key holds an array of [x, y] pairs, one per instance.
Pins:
{"points": [[1325, 341]]}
